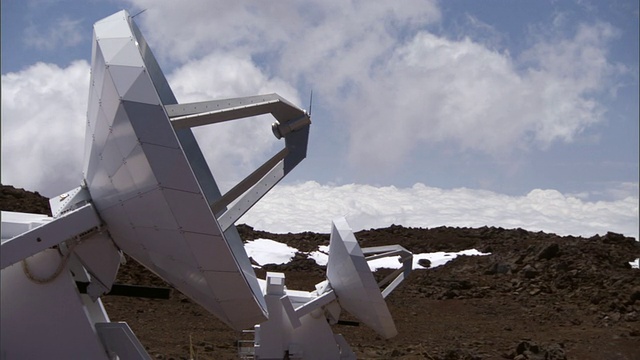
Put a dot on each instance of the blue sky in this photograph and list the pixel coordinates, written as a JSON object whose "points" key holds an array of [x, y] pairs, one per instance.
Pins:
{"points": [[499, 97]]}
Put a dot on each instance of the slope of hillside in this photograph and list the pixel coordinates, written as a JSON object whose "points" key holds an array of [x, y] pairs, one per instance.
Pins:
{"points": [[537, 296]]}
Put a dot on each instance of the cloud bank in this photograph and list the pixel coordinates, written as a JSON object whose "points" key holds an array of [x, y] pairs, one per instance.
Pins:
{"points": [[310, 206], [437, 90]]}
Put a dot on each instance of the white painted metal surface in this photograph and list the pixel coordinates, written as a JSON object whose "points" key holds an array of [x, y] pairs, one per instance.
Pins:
{"points": [[47, 233], [16, 223], [292, 124], [120, 341], [297, 327], [44, 321], [143, 185], [353, 282]]}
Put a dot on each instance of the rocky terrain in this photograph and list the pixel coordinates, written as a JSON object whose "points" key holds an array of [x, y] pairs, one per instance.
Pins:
{"points": [[537, 296]]}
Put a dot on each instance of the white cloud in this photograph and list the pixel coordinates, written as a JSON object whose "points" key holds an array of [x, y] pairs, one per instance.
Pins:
{"points": [[303, 33], [43, 126], [394, 85], [436, 90], [310, 206], [623, 190], [232, 149], [63, 32]]}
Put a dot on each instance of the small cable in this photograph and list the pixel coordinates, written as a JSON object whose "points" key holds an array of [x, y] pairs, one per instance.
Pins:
{"points": [[61, 266]]}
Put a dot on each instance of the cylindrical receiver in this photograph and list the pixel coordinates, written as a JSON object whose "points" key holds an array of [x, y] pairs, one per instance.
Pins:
{"points": [[281, 130]]}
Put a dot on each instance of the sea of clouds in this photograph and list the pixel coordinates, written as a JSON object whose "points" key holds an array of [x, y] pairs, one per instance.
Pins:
{"points": [[310, 206]]}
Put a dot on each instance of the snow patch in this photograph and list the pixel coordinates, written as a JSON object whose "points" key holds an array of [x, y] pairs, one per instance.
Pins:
{"points": [[265, 251], [321, 256], [437, 259]]}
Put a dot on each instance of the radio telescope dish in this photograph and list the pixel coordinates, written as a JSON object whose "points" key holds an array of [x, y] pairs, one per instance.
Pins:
{"points": [[353, 282], [150, 182], [299, 321]]}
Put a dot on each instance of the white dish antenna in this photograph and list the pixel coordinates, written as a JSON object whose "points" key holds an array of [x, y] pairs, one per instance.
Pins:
{"points": [[304, 332], [352, 280], [150, 183]]}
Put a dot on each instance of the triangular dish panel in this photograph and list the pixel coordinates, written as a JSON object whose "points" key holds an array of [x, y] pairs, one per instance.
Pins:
{"points": [[124, 76], [111, 47], [112, 26], [143, 185], [127, 55], [142, 91]]}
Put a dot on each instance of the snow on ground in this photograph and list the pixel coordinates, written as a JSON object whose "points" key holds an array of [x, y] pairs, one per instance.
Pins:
{"points": [[635, 264], [265, 251], [321, 256], [437, 259]]}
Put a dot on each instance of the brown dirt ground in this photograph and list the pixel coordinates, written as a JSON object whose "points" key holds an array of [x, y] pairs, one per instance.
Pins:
{"points": [[537, 296]]}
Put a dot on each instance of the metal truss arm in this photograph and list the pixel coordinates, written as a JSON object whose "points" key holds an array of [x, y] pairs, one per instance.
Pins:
{"points": [[292, 124], [296, 314], [257, 186], [248, 182], [211, 112], [72, 224], [395, 278]]}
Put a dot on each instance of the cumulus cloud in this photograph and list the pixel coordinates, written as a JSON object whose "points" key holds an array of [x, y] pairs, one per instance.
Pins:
{"points": [[232, 149], [394, 84], [310, 33], [63, 32], [43, 124], [310, 206], [439, 90]]}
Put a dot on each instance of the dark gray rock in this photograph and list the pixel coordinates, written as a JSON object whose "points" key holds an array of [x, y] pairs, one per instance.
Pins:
{"points": [[529, 272], [549, 252]]}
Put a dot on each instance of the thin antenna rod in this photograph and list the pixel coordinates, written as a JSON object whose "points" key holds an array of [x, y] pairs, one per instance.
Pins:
{"points": [[139, 13], [310, 101]]}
